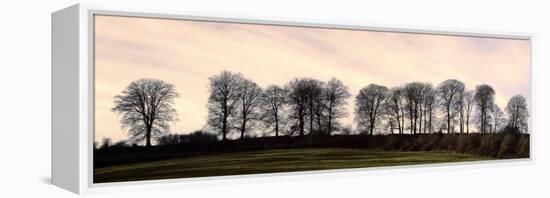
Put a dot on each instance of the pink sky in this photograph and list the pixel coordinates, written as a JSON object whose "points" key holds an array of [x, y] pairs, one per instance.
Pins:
{"points": [[185, 53]]}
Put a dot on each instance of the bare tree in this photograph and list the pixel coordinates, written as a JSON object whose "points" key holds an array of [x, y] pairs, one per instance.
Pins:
{"points": [[429, 102], [497, 117], [335, 96], [224, 97], [413, 94], [460, 107], [454, 120], [449, 92], [147, 108], [249, 94], [315, 104], [274, 100], [394, 107], [484, 97], [468, 100], [369, 105], [517, 112], [298, 101], [403, 105]]}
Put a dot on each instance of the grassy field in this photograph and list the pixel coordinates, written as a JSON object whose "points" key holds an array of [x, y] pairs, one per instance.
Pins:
{"points": [[270, 161]]}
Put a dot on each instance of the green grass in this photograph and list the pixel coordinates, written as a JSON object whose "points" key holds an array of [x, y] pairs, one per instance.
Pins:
{"points": [[270, 161]]}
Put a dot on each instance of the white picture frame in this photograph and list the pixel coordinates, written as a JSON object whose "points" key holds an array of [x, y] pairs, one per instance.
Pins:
{"points": [[72, 98]]}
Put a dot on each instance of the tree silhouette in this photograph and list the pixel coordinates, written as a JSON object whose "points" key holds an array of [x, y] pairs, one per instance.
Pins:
{"points": [[428, 105], [369, 104], [335, 96], [249, 96], [297, 94], [273, 103], [394, 107], [484, 97], [517, 112], [449, 92], [413, 94], [469, 101], [301, 100], [315, 102], [460, 108], [224, 97], [146, 106], [497, 117]]}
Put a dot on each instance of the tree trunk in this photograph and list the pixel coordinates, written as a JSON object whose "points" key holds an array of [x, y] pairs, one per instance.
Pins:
{"points": [[415, 118], [301, 117], [411, 120], [482, 121], [402, 120], [148, 136], [329, 127], [372, 127], [311, 117], [243, 127], [319, 128], [461, 120], [430, 121], [420, 120], [398, 124], [276, 126], [224, 127], [448, 119], [391, 127]]}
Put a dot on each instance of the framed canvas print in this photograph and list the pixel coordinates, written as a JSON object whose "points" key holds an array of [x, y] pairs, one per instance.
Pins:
{"points": [[152, 96]]}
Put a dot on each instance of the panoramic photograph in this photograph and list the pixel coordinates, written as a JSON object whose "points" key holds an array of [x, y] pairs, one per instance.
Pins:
{"points": [[188, 98]]}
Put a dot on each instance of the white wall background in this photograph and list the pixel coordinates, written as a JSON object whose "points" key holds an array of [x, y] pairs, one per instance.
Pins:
{"points": [[25, 99]]}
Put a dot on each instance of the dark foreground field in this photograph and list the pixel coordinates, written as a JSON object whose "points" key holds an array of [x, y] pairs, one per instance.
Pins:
{"points": [[271, 161]]}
